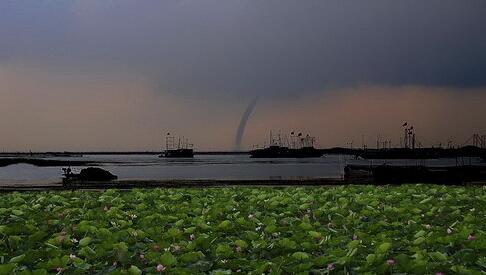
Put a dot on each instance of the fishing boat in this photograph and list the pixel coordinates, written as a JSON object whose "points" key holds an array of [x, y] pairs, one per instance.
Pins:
{"points": [[180, 149], [297, 146]]}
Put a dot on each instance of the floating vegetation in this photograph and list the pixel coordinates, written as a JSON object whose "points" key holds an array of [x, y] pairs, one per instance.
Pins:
{"points": [[420, 229]]}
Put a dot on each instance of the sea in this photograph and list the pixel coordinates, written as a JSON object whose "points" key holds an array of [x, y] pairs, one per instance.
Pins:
{"points": [[216, 167]]}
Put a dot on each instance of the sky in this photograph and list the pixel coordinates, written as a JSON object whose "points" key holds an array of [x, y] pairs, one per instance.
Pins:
{"points": [[117, 75]]}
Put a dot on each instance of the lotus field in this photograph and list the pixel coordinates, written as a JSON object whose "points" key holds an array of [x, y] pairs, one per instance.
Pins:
{"points": [[408, 229]]}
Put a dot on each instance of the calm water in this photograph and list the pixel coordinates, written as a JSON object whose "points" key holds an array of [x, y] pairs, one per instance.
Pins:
{"points": [[146, 167]]}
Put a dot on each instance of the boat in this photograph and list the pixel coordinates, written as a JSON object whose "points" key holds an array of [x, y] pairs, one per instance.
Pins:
{"points": [[299, 146], [181, 149], [178, 153]]}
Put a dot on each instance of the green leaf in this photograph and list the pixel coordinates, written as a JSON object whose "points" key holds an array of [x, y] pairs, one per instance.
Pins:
{"points": [[370, 259], [315, 234], [17, 259], [17, 212], [190, 230], [174, 232], [300, 256], [287, 243], [242, 244], [352, 252], [85, 241], [482, 262], [168, 259], [383, 248], [134, 270], [86, 252], [419, 241], [39, 272], [306, 226], [192, 257], [354, 244], [437, 256], [224, 225], [223, 250], [6, 269], [221, 272], [271, 228], [403, 261], [120, 248], [421, 233], [55, 263], [425, 200]]}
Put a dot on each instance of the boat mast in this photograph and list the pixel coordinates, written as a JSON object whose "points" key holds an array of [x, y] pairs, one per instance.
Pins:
{"points": [[167, 137]]}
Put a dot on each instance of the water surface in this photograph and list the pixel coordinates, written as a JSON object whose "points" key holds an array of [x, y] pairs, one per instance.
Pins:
{"points": [[151, 167]]}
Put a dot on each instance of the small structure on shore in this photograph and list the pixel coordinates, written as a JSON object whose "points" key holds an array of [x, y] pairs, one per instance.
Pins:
{"points": [[394, 174]]}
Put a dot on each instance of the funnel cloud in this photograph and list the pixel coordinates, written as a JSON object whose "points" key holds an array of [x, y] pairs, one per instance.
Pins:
{"points": [[244, 120]]}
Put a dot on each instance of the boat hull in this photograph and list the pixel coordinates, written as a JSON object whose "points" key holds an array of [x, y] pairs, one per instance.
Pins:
{"points": [[178, 153]]}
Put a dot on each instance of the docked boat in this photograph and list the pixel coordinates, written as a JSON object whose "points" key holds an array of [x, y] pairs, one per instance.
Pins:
{"points": [[178, 153], [298, 146], [180, 149]]}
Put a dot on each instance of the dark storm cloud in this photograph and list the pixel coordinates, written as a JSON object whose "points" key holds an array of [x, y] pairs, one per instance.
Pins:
{"points": [[254, 47]]}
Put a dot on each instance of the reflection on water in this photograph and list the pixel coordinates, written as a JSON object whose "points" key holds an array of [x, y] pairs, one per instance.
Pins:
{"points": [[150, 167]]}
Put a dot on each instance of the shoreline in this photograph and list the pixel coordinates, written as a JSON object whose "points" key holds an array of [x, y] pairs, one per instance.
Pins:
{"points": [[168, 183], [151, 184]]}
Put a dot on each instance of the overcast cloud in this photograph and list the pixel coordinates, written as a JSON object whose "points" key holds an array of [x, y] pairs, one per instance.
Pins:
{"points": [[254, 47]]}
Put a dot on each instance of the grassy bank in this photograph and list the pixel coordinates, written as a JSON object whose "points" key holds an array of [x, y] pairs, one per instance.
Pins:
{"points": [[410, 228]]}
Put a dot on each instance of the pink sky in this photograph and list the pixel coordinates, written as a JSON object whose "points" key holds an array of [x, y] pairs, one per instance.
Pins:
{"points": [[43, 111]]}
